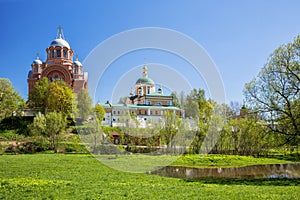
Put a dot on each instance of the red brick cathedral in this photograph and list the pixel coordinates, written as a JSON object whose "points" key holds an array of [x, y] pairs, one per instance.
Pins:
{"points": [[58, 66]]}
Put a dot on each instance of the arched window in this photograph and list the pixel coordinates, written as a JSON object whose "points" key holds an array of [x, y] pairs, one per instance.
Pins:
{"points": [[52, 54], [65, 53], [76, 71], [55, 77], [58, 53]]}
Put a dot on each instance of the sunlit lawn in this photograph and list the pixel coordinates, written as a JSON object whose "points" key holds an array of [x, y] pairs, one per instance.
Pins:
{"points": [[60, 176]]}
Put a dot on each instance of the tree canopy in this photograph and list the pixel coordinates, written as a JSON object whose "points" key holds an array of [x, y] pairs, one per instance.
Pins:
{"points": [[10, 100], [100, 113], [275, 93], [50, 125], [53, 96], [84, 104], [38, 99], [61, 98]]}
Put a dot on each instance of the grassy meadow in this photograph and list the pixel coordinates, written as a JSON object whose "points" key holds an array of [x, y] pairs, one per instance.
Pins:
{"points": [[73, 176]]}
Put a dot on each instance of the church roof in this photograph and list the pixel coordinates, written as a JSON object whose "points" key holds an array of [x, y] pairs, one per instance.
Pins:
{"points": [[77, 62], [60, 41], [157, 94], [145, 81], [37, 61], [133, 106], [154, 107]]}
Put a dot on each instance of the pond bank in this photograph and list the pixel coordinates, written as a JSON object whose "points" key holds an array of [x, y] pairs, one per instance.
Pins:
{"points": [[290, 170]]}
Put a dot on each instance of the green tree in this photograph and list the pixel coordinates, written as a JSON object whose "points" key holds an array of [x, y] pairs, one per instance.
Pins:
{"points": [[61, 98], [10, 100], [92, 135], [275, 92], [38, 126], [100, 113], [50, 125], [234, 109], [251, 137], [191, 105], [84, 104], [289, 124], [38, 99], [195, 104], [171, 123], [37, 129], [55, 96], [243, 136], [203, 118], [182, 98], [175, 99], [55, 124]]}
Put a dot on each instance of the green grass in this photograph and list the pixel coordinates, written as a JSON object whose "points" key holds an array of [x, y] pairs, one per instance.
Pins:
{"points": [[61, 176], [212, 160]]}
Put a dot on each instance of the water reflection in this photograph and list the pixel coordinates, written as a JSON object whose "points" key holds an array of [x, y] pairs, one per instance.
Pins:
{"points": [[291, 170]]}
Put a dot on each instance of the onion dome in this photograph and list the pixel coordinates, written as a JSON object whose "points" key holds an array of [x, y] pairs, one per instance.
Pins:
{"points": [[60, 41], [145, 80], [37, 60], [76, 62]]}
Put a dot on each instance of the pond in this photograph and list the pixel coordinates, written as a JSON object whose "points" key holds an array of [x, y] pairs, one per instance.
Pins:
{"points": [[291, 170]]}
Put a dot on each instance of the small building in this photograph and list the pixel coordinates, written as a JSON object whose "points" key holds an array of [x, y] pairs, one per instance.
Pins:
{"points": [[115, 137]]}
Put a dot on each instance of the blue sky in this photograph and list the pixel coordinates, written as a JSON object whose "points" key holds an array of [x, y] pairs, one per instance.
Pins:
{"points": [[238, 35]]}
